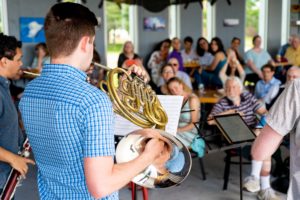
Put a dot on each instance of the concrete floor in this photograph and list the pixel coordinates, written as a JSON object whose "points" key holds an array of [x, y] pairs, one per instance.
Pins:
{"points": [[193, 188]]}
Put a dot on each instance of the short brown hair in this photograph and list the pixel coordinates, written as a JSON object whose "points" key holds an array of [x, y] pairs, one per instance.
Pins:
{"points": [[266, 66], [65, 25]]}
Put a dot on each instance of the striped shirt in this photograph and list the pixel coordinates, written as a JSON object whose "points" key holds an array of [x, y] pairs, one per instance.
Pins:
{"points": [[248, 106], [66, 120]]}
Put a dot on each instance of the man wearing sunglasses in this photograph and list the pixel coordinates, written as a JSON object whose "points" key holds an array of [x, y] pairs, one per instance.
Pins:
{"points": [[69, 122]]}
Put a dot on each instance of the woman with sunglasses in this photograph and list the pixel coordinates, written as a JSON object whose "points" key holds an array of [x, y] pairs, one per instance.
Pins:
{"points": [[180, 74]]}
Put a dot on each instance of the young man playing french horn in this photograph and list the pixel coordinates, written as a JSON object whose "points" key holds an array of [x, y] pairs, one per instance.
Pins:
{"points": [[69, 122]]}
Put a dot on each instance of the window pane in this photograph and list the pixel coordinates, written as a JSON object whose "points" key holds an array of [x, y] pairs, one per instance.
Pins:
{"points": [[117, 30], [1, 17], [252, 23]]}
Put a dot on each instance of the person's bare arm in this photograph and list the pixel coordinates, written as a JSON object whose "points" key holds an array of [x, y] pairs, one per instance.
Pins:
{"points": [[265, 144], [223, 76], [262, 111], [240, 70], [195, 107], [15, 161], [104, 177], [252, 66], [271, 62], [215, 62]]}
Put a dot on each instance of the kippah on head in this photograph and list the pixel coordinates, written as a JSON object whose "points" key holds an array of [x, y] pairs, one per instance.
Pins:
{"points": [[65, 24], [69, 11]]}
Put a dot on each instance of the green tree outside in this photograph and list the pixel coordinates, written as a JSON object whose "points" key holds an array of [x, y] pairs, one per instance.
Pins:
{"points": [[117, 18], [252, 17]]}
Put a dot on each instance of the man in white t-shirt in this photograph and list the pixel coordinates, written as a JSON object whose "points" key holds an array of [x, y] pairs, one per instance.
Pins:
{"points": [[283, 118], [188, 54]]}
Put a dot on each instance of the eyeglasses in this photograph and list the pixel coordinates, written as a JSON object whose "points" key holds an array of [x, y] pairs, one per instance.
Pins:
{"points": [[168, 72], [173, 64]]}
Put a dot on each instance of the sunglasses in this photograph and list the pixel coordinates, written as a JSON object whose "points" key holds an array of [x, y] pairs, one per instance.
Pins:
{"points": [[173, 64]]}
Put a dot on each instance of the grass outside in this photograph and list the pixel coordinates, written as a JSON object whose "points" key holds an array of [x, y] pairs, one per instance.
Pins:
{"points": [[114, 48]]}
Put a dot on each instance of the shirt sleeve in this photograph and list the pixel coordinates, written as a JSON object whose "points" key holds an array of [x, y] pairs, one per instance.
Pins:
{"points": [[187, 81], [248, 56], [256, 103], [286, 111], [151, 62], [257, 91], [98, 131], [1, 107], [271, 94], [218, 108]]}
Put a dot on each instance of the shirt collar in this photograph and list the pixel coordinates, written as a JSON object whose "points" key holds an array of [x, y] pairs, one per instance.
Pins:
{"points": [[242, 99], [270, 82], [63, 70], [4, 81]]}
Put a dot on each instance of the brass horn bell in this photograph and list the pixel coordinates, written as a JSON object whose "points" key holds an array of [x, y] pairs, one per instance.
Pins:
{"points": [[137, 102], [172, 171]]}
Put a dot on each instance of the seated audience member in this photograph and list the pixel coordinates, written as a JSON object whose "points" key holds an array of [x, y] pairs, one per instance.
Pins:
{"points": [[235, 44], [255, 59], [128, 53], [41, 57], [292, 74], [292, 53], [210, 76], [175, 53], [180, 74], [203, 52], [167, 72], [267, 88], [232, 68], [282, 50], [157, 59], [247, 105], [95, 74], [190, 114], [188, 54]]}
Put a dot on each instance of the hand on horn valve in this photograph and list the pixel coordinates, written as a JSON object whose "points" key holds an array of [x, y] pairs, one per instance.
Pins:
{"points": [[139, 71]]}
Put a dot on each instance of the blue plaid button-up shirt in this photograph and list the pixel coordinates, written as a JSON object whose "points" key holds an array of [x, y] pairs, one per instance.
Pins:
{"points": [[66, 120]]}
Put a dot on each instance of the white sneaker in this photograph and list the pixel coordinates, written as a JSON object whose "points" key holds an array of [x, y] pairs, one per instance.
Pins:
{"points": [[251, 184], [268, 194]]}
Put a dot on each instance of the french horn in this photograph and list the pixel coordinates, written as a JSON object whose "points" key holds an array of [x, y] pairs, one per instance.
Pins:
{"points": [[135, 100]]}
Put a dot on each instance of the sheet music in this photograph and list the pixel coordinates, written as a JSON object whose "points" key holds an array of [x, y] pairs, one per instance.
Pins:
{"points": [[171, 104]]}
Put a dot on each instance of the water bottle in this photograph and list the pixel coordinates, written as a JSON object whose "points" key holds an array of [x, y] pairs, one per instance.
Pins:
{"points": [[201, 89]]}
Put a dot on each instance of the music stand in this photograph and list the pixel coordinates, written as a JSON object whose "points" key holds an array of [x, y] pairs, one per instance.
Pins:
{"points": [[237, 134], [234, 128]]}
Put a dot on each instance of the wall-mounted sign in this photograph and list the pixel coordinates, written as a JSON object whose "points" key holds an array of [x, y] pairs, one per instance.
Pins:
{"points": [[154, 23], [32, 29], [231, 22]]}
